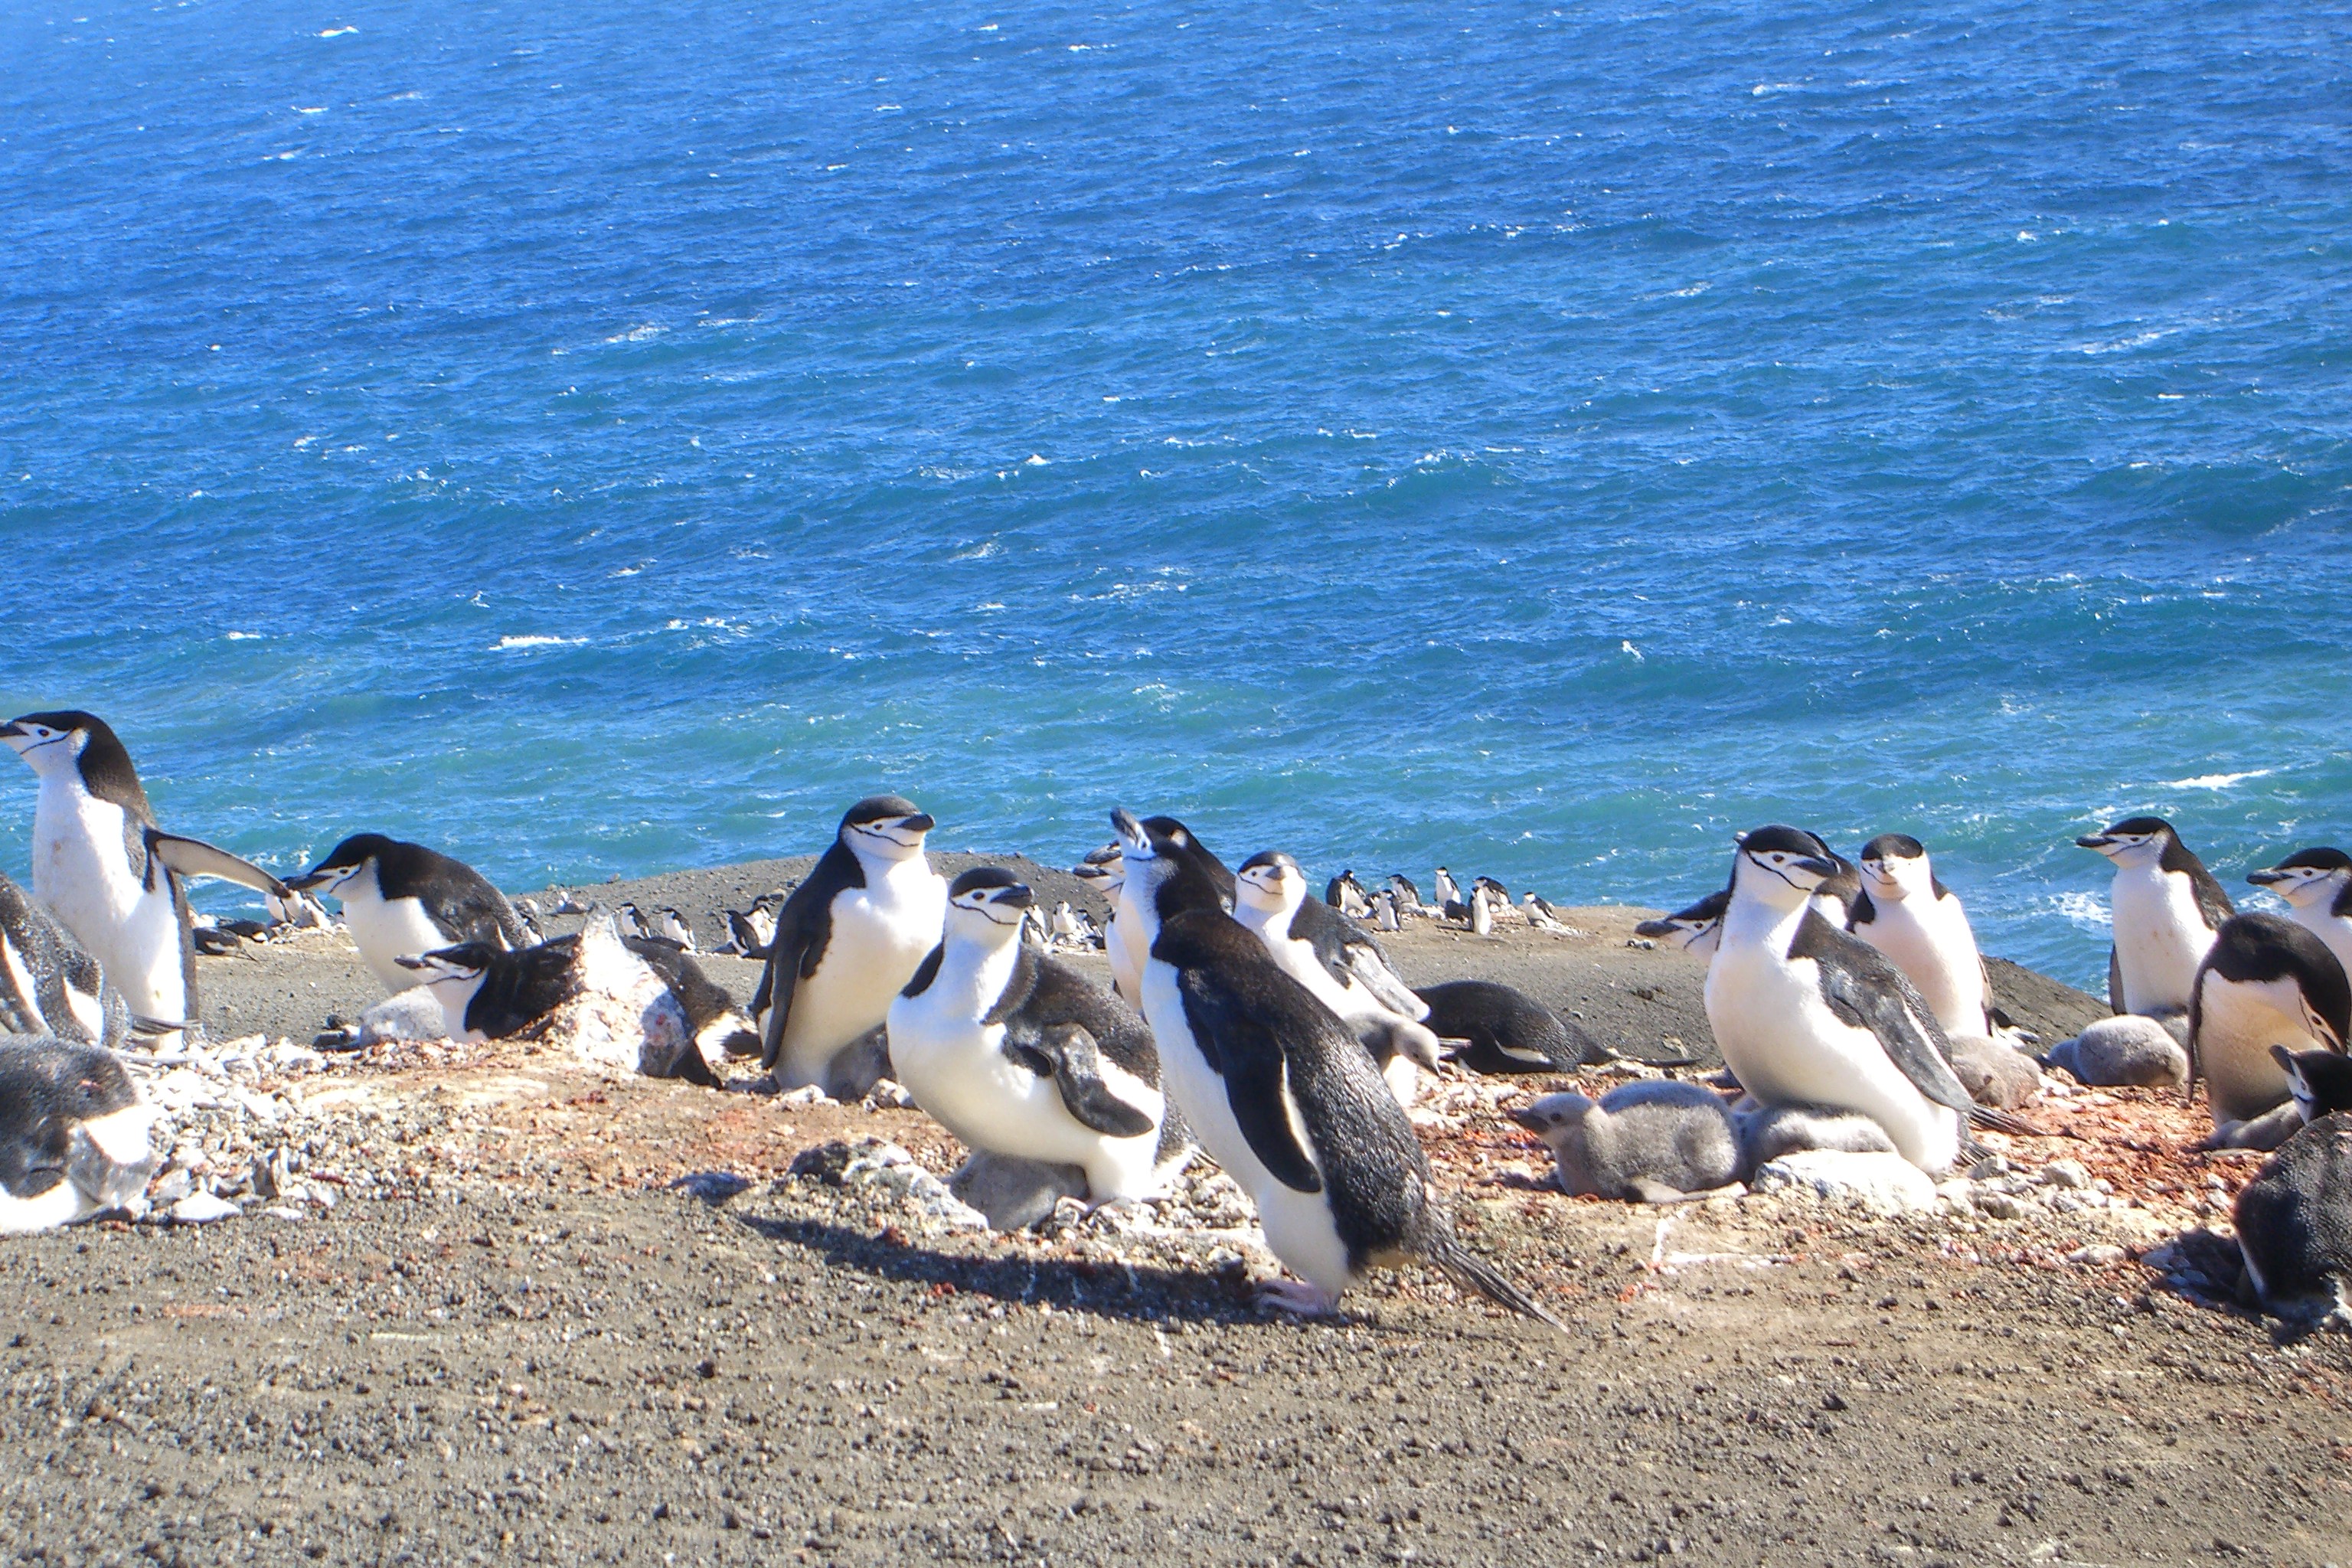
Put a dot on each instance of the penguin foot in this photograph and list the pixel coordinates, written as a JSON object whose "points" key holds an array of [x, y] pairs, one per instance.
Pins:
{"points": [[1297, 1298]]}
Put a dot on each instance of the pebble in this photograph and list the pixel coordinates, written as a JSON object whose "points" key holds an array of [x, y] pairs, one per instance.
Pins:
{"points": [[202, 1208]]}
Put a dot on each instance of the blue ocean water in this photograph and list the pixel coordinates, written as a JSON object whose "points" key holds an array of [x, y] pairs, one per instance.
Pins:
{"points": [[599, 439]]}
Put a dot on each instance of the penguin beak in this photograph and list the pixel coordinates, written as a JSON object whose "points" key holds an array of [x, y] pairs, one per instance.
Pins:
{"points": [[1526, 1117], [1132, 835], [921, 822], [1817, 866], [309, 880], [410, 961], [1016, 896], [1655, 928], [2093, 841], [2265, 878], [11, 731]]}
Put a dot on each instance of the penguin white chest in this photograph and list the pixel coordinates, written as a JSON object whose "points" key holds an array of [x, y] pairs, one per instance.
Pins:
{"points": [[1780, 1039], [2160, 938], [81, 870], [2238, 1022], [2335, 930], [880, 934], [384, 930], [1930, 942]]}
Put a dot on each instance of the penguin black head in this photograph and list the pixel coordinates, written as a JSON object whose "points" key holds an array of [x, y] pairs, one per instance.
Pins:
{"points": [[2308, 877], [1893, 846], [343, 862], [2132, 839], [1685, 926], [2321, 1081], [1271, 880], [993, 894], [1791, 855], [889, 825], [466, 961], [1895, 866], [1170, 867], [51, 741], [71, 1112]]}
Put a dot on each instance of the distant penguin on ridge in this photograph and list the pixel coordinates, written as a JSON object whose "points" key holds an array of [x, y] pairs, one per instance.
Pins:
{"points": [[109, 874]]}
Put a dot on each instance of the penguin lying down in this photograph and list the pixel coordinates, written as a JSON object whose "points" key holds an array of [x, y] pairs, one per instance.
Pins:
{"points": [[1660, 1141], [73, 1133], [632, 1002]]}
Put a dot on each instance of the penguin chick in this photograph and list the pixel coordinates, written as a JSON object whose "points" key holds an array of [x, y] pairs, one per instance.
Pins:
{"points": [[1995, 1075], [1655, 1142], [2294, 1222], [2124, 1051], [1769, 1131], [1504, 1030]]}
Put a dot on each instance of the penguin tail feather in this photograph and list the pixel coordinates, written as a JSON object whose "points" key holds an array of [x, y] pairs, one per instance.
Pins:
{"points": [[2002, 1121], [1472, 1272]]}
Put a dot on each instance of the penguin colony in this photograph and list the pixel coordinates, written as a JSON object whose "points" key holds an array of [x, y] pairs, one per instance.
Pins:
{"points": [[1247, 1019]]}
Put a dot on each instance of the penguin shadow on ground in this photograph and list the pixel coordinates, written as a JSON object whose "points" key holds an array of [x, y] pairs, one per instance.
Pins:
{"points": [[1135, 1291], [2205, 1269]]}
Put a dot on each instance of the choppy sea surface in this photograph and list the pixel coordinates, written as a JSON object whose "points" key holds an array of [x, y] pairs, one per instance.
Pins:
{"points": [[1543, 439]]}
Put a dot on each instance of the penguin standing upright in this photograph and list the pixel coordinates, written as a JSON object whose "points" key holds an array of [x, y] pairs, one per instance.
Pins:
{"points": [[2165, 908], [1279, 1094], [1341, 966], [1905, 911], [1016, 1054], [2317, 886], [109, 874], [1129, 943], [1808, 1015], [400, 900], [2265, 981], [847, 941], [1347, 894]]}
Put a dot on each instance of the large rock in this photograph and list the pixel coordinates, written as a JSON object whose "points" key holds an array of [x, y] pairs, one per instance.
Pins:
{"points": [[2048, 1009], [1884, 1183]]}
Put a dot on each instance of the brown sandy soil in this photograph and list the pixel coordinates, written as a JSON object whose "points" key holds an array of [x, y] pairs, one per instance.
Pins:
{"points": [[555, 1316]]}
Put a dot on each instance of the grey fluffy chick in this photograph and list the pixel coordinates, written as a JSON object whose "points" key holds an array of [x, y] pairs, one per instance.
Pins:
{"points": [[1652, 1142], [2128, 1050]]}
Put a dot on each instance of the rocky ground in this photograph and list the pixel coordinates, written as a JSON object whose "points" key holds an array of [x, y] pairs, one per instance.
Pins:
{"points": [[481, 1304]]}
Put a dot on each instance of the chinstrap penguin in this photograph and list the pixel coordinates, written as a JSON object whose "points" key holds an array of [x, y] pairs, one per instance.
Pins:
{"points": [[109, 874], [1339, 962], [49, 984], [2320, 1081], [490, 993], [1806, 1013], [400, 900], [1695, 930], [2165, 908], [2265, 981], [846, 942], [1282, 1097], [1903, 911], [1017, 1055], [2317, 886], [1347, 894], [1656, 1142], [1129, 944], [2294, 1222], [1504, 1030], [73, 1133]]}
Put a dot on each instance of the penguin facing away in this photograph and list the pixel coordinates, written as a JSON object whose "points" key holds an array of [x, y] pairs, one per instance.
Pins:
{"points": [[110, 873], [1128, 947], [1014, 1053], [2165, 908], [49, 984], [1808, 1015], [1904, 910], [2266, 982], [2294, 1222], [1281, 1098], [2317, 886], [846, 942], [1340, 964], [401, 899], [73, 1133]]}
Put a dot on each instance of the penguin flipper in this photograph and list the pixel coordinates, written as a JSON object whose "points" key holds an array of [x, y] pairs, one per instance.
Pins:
{"points": [[1865, 989], [1067, 1054], [1369, 967], [194, 858], [2115, 979], [1248, 1057]]}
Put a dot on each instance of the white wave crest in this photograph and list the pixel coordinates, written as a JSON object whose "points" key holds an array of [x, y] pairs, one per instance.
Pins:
{"points": [[505, 645]]}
